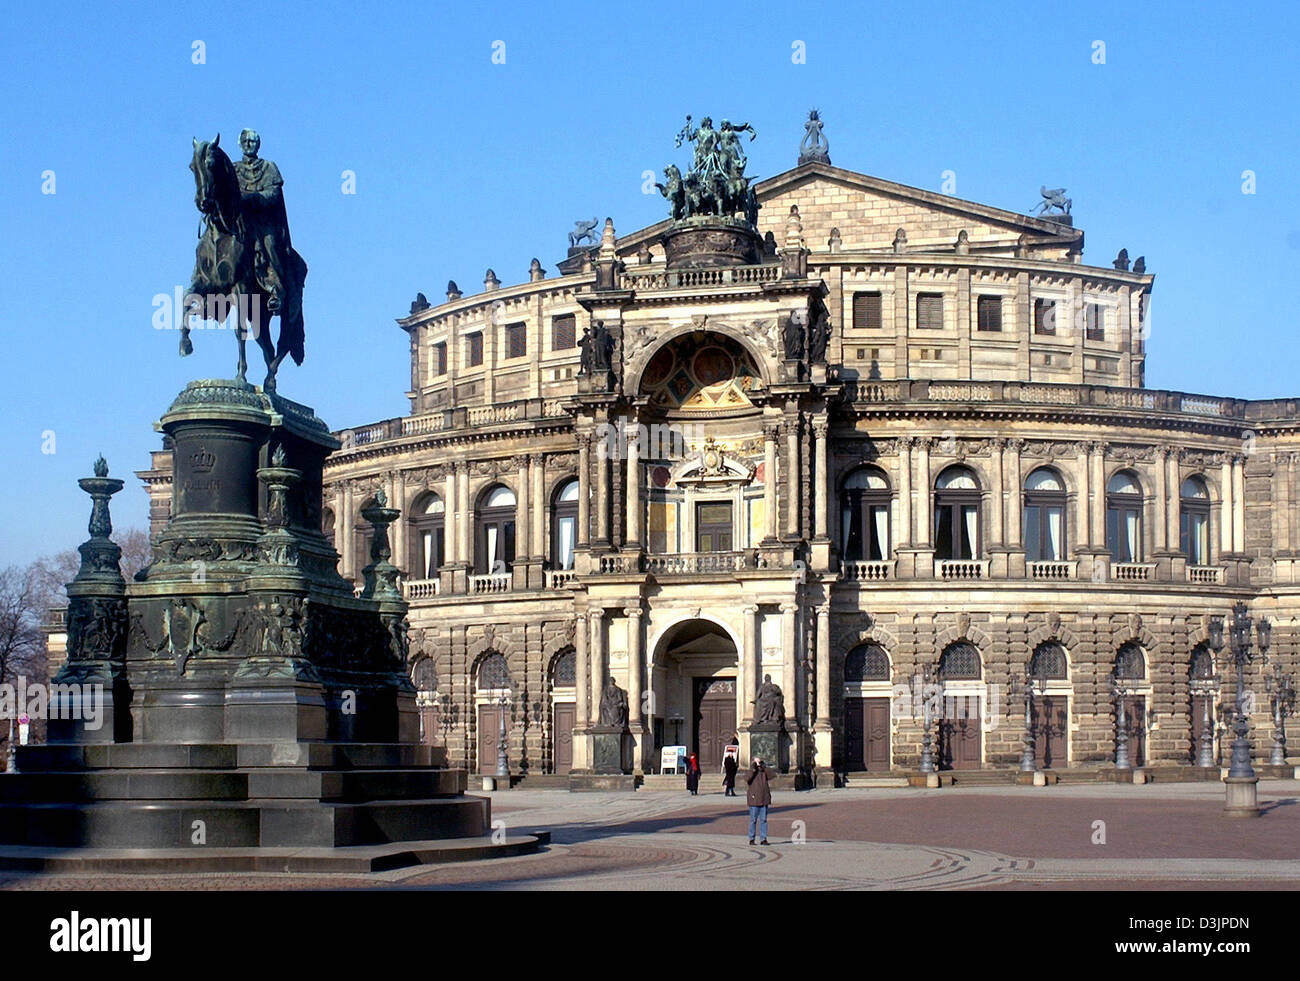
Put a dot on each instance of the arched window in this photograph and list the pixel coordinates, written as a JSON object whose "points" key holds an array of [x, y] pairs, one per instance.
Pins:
{"points": [[864, 513], [956, 515], [1048, 662], [564, 525], [1130, 663], [960, 662], [866, 663], [1044, 516], [496, 530], [564, 670], [1194, 521], [493, 673], [430, 539], [1124, 517], [1202, 666], [327, 524], [425, 675]]}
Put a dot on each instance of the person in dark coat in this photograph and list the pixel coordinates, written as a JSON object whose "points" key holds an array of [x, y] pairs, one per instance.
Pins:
{"points": [[730, 766], [693, 775], [759, 798]]}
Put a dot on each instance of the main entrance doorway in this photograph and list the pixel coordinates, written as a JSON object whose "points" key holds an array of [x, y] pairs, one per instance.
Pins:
{"points": [[866, 734], [715, 720], [696, 691], [1051, 730]]}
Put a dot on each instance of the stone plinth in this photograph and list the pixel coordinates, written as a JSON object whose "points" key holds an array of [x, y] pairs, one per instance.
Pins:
{"points": [[612, 750], [769, 742], [710, 242]]}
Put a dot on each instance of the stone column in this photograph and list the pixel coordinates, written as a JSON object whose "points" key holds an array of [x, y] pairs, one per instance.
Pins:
{"points": [[792, 476], [522, 525], [1014, 478], [905, 535], [751, 662], [343, 522], [464, 515], [1225, 524], [1098, 482], [821, 487], [450, 518], [584, 490], [539, 506], [1239, 504], [1083, 511], [403, 523], [633, 537], [602, 492], [789, 661], [599, 662], [769, 481], [924, 517], [997, 535], [1161, 529], [1174, 486], [582, 681], [636, 670], [822, 740]]}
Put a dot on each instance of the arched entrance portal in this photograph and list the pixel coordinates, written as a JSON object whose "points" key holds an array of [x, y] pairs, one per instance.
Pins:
{"points": [[695, 679]]}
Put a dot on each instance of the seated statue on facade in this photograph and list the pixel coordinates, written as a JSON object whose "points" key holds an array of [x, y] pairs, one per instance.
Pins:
{"points": [[613, 706], [769, 703]]}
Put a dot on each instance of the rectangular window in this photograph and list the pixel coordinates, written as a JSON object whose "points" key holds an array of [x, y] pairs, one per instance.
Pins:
{"points": [[713, 527], [474, 349], [929, 311], [440, 359], [1094, 315], [866, 311], [516, 340], [564, 333], [989, 309], [1044, 316]]}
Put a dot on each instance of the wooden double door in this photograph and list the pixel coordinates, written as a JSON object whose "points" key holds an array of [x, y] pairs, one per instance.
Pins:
{"points": [[960, 733], [1051, 727], [563, 720], [715, 720], [489, 737], [866, 735]]}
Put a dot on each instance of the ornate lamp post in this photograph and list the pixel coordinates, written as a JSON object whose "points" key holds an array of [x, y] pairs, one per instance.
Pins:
{"points": [[503, 763], [1281, 692], [445, 721], [1205, 751], [1029, 759], [1118, 692], [1241, 796], [927, 755]]}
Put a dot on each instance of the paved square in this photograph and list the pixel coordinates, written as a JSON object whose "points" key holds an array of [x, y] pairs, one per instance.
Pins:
{"points": [[1152, 837]]}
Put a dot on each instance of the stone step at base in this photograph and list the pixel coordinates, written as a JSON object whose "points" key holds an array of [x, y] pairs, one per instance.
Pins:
{"points": [[282, 823], [227, 756], [143, 784], [349, 859], [857, 781]]}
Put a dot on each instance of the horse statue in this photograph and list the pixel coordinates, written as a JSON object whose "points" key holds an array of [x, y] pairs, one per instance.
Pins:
{"points": [[584, 230], [244, 259]]}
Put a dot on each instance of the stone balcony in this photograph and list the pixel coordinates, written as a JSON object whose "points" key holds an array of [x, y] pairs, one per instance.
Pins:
{"points": [[449, 420]]}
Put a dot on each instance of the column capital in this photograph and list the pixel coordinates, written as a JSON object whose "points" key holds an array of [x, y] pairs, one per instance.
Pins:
{"points": [[789, 608], [771, 431], [596, 615], [1016, 445], [749, 611], [924, 443], [584, 440], [632, 612], [824, 611], [998, 444]]}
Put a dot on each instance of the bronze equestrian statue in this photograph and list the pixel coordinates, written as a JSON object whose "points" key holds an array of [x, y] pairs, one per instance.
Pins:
{"points": [[245, 259]]}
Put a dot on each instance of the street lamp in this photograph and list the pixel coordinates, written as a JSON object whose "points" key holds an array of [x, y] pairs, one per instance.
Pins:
{"points": [[503, 763], [927, 756], [445, 720], [1281, 692], [1241, 794], [1029, 759], [1118, 691]]}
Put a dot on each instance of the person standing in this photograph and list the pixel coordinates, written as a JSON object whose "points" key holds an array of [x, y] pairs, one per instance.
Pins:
{"points": [[693, 775], [730, 766], [759, 798]]}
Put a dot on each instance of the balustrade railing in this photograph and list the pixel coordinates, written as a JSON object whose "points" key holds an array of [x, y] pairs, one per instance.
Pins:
{"points": [[695, 562], [867, 571], [1133, 571], [1050, 570], [414, 589], [1205, 575], [962, 569], [492, 582], [559, 578]]}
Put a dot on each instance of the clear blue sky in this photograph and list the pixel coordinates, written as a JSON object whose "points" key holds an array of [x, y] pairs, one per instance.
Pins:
{"points": [[462, 164]]}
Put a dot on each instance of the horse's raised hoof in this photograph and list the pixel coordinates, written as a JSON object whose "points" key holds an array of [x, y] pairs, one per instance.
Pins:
{"points": [[269, 384], [187, 348]]}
